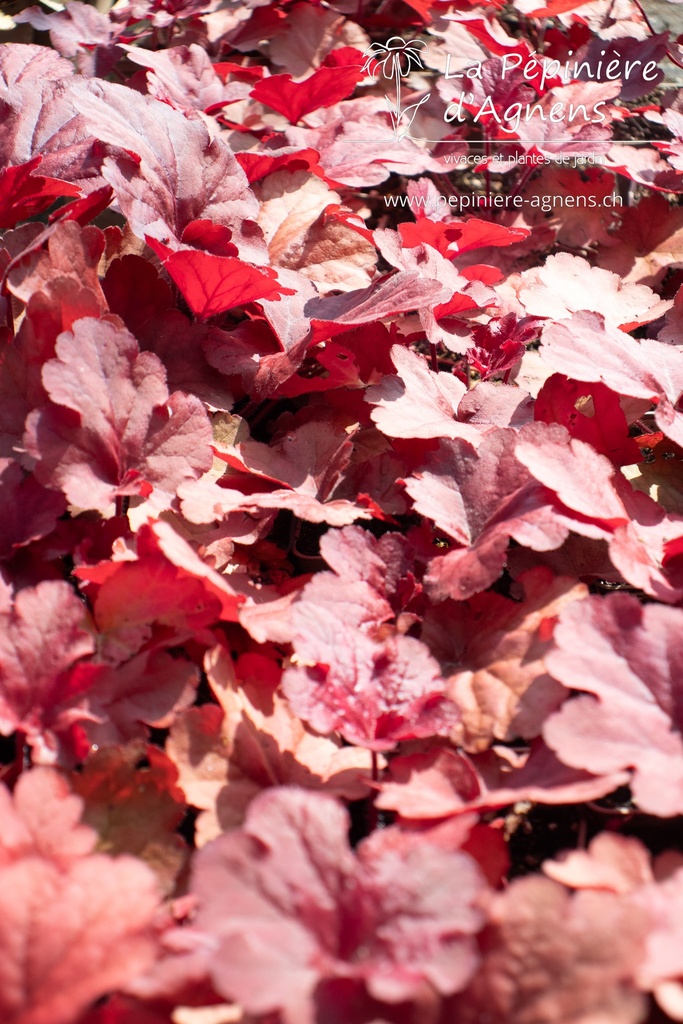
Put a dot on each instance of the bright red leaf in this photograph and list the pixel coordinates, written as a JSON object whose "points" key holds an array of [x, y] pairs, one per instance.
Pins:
{"points": [[323, 88]]}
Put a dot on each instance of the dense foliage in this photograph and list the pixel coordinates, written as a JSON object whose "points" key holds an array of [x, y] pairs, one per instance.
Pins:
{"points": [[341, 505]]}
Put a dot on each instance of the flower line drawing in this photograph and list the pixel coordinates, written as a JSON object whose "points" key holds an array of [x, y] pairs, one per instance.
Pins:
{"points": [[396, 59]]}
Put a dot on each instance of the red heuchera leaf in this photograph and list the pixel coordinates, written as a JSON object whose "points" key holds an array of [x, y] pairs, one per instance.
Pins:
{"points": [[500, 344], [127, 435], [159, 586], [259, 165], [209, 237], [147, 603], [456, 237], [288, 907], [323, 88], [225, 756], [73, 926], [534, 970], [120, 1010], [625, 655], [86, 209], [355, 675], [41, 642], [27, 510], [24, 194], [134, 809], [213, 284], [590, 413], [135, 292], [552, 8]]}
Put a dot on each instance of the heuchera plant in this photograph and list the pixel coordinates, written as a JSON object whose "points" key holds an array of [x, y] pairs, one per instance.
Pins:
{"points": [[341, 514]]}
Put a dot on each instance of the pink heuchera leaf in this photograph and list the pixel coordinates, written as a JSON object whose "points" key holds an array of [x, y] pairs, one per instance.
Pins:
{"points": [[556, 957], [626, 656], [305, 230], [418, 402], [492, 653], [73, 925], [165, 170], [288, 907], [149, 689], [612, 862], [43, 638], [480, 498], [644, 369], [182, 76], [583, 480], [661, 970], [443, 782], [356, 146], [227, 755], [112, 428], [308, 461], [621, 864], [545, 291], [400, 293], [354, 673], [79, 31], [70, 259], [42, 819], [39, 117]]}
